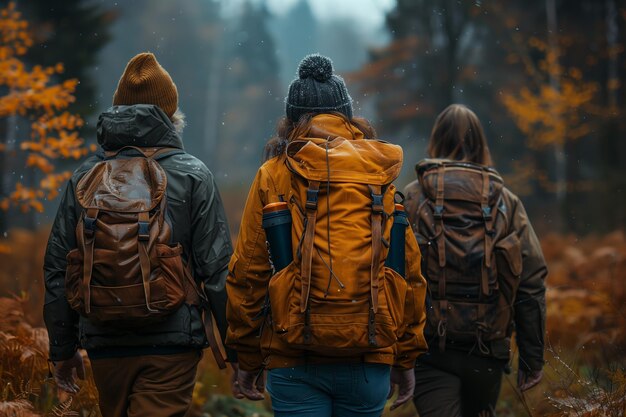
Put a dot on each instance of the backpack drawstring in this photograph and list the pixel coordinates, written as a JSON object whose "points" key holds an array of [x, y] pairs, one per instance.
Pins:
{"points": [[330, 255]]}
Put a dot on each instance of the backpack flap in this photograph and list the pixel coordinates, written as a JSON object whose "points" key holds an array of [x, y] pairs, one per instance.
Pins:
{"points": [[363, 161], [124, 185], [463, 180]]}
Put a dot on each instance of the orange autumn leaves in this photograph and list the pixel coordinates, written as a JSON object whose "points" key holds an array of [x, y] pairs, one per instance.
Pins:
{"points": [[33, 93], [549, 114]]}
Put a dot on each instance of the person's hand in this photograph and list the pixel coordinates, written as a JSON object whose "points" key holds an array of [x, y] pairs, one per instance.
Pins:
{"points": [[234, 383], [65, 373], [251, 384], [528, 379], [405, 379]]}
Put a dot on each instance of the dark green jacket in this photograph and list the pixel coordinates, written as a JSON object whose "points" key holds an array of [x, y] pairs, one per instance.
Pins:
{"points": [[198, 222]]}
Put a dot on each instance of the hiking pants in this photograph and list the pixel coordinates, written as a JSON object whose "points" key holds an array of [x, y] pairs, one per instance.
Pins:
{"points": [[143, 386], [456, 384], [329, 390]]}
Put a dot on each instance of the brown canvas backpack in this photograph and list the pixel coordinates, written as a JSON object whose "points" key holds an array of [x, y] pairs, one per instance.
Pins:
{"points": [[337, 297], [470, 259]]}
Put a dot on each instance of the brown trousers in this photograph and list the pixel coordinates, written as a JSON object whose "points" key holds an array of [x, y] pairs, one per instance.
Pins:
{"points": [[142, 386]]}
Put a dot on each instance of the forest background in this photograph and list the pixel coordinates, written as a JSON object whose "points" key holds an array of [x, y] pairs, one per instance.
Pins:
{"points": [[546, 77]]}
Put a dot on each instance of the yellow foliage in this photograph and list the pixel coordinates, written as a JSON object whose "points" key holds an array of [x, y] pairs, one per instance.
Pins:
{"points": [[30, 94], [549, 116], [553, 110]]}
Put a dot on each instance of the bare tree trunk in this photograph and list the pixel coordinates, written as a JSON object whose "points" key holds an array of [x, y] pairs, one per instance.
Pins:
{"points": [[3, 163], [211, 127], [560, 168], [612, 86], [612, 32]]}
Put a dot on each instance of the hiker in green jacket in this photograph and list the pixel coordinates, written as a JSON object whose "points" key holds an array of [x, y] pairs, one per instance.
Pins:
{"points": [[139, 246]]}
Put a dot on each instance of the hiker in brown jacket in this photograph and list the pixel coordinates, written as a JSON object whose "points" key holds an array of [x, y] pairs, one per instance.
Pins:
{"points": [[332, 336], [485, 273]]}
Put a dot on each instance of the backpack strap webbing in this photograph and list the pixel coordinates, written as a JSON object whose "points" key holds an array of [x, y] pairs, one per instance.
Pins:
{"points": [[143, 236], [86, 235], [488, 219], [308, 243], [210, 335], [198, 297], [377, 240], [441, 252], [378, 211]]}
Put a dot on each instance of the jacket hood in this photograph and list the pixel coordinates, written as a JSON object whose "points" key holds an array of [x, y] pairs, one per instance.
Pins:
{"points": [[336, 150], [462, 180], [330, 126], [142, 125]]}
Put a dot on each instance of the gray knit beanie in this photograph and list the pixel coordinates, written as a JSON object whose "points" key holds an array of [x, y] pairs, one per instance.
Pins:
{"points": [[317, 90]]}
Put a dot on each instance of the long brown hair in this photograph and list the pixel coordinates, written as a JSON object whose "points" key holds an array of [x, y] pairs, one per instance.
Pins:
{"points": [[458, 135], [287, 130]]}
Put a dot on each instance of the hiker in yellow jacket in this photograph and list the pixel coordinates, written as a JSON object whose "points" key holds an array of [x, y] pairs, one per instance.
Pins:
{"points": [[339, 324]]}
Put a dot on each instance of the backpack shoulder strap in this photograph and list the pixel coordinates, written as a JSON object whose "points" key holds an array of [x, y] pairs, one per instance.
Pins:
{"points": [[156, 154], [195, 295], [377, 236], [163, 153], [376, 191], [441, 252], [488, 219], [113, 154]]}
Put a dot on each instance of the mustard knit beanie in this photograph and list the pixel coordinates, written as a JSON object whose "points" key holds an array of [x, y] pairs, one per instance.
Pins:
{"points": [[145, 81]]}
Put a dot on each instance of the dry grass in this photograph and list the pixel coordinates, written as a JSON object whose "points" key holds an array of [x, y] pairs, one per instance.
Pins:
{"points": [[25, 378]]}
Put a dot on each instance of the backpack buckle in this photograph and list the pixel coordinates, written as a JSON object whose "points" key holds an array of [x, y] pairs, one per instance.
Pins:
{"points": [[377, 203], [90, 225], [144, 230], [438, 212], [487, 213], [311, 199]]}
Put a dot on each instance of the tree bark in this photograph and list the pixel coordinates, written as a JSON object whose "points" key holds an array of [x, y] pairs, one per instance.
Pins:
{"points": [[560, 160], [3, 163]]}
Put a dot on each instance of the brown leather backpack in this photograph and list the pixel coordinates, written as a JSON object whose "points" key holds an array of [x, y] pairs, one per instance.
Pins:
{"points": [[337, 297], [470, 258], [125, 272]]}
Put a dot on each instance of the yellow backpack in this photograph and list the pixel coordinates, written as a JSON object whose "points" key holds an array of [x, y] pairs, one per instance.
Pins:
{"points": [[337, 297]]}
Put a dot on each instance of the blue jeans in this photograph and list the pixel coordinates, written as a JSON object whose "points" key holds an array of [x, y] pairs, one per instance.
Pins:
{"points": [[329, 390]]}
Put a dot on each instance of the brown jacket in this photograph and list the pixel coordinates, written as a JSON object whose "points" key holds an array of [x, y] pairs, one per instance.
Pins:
{"points": [[529, 308], [250, 273]]}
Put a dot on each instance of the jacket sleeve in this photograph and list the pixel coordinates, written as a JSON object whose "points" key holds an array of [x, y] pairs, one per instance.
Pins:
{"points": [[61, 321], [248, 278], [530, 304], [212, 248], [412, 343]]}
